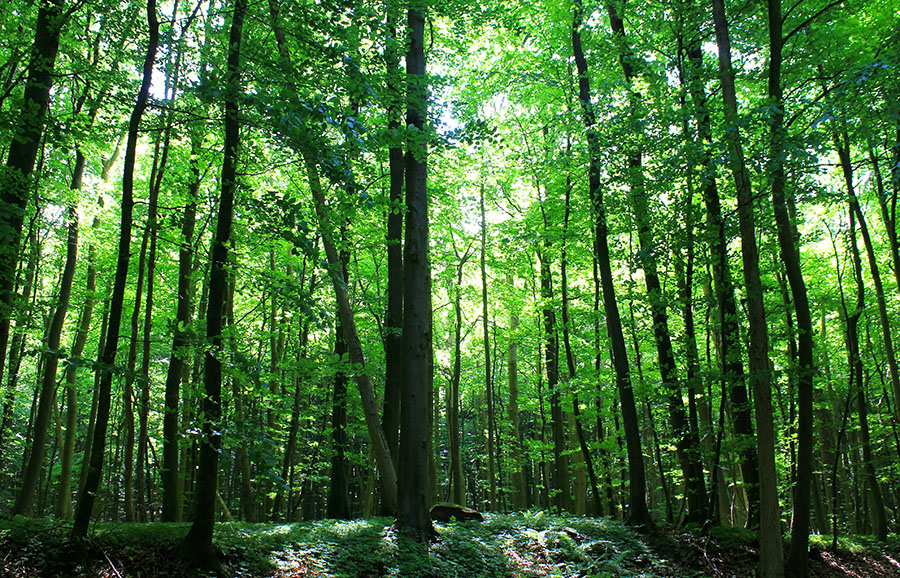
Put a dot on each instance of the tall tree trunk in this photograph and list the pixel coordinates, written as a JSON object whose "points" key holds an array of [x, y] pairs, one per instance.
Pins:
{"points": [[23, 149], [338, 503], [842, 144], [393, 345], [488, 377], [17, 346], [106, 362], [171, 487], [197, 545], [413, 517], [771, 554], [798, 556], [637, 512], [355, 351], [879, 516], [457, 477], [47, 400], [519, 490]]}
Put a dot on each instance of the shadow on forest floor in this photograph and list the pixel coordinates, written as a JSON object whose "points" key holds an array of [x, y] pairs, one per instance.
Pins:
{"points": [[528, 545]]}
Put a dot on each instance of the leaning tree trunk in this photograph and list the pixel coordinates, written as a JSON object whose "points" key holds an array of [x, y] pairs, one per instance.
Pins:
{"points": [[638, 512], [842, 144], [107, 361], [197, 546], [355, 351], [47, 398]]}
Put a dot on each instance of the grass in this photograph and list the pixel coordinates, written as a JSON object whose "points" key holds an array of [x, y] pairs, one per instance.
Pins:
{"points": [[527, 545]]}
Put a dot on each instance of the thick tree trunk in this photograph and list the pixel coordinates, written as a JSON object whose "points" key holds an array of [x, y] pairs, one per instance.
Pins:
{"points": [[637, 512], [413, 517], [107, 360], [771, 554], [197, 546], [23, 150]]}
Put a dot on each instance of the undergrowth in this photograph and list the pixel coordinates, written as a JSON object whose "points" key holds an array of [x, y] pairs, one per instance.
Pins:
{"points": [[524, 545]]}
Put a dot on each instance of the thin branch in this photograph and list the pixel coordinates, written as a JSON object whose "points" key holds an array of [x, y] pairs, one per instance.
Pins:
{"points": [[806, 22]]}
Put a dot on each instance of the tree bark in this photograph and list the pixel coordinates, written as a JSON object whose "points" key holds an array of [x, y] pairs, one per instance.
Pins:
{"points": [[771, 554], [107, 360], [393, 346], [23, 150], [638, 512], [197, 546], [47, 399], [413, 516], [172, 496]]}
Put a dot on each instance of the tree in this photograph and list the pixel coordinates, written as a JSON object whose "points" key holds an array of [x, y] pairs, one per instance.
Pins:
{"points": [[413, 517], [197, 546], [23, 150], [771, 554], [106, 361], [637, 512]]}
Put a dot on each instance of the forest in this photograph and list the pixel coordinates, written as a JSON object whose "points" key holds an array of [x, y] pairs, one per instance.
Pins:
{"points": [[299, 260]]}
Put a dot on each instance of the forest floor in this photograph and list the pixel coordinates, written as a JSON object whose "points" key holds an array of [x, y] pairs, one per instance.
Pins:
{"points": [[529, 545]]}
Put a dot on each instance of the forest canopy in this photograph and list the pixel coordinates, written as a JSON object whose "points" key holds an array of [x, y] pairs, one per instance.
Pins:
{"points": [[295, 260]]}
